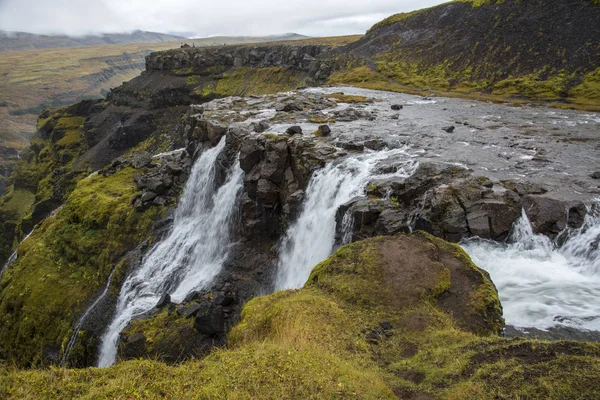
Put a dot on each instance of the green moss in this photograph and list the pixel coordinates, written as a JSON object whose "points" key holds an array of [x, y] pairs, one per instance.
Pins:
{"points": [[249, 81], [350, 99], [588, 90], [391, 20], [479, 3], [65, 262]]}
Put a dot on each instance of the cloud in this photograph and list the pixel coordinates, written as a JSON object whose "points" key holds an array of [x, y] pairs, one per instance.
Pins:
{"points": [[225, 17]]}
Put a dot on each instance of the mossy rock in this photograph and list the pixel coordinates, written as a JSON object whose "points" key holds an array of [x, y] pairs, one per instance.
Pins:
{"points": [[403, 272]]}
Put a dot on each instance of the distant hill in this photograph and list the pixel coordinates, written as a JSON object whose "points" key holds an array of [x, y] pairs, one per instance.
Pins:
{"points": [[13, 41], [251, 39]]}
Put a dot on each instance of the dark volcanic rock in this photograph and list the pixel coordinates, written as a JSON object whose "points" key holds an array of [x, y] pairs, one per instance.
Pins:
{"points": [[164, 301], [294, 130], [210, 319]]}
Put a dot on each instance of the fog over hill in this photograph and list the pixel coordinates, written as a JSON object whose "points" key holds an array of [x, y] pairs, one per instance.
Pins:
{"points": [[10, 41]]}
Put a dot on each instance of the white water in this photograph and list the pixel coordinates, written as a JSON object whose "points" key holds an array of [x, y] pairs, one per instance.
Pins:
{"points": [[190, 257], [540, 285], [81, 321], [311, 238]]}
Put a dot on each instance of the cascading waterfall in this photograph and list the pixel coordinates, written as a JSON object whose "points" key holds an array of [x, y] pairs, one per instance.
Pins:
{"points": [[311, 238], [190, 257], [540, 284]]}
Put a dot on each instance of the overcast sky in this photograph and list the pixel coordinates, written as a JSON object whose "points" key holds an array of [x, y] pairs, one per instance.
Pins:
{"points": [[205, 18]]}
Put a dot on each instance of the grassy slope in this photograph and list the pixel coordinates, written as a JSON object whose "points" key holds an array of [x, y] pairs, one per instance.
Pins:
{"points": [[312, 343]]}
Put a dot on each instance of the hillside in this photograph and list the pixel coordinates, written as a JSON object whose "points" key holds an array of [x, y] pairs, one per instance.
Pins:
{"points": [[15, 41], [534, 49]]}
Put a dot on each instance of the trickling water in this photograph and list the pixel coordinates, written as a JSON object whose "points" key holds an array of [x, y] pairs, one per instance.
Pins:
{"points": [[13, 257], [81, 321], [311, 238], [542, 285], [190, 257]]}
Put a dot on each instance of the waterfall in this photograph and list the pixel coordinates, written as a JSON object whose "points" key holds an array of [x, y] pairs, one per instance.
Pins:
{"points": [[540, 284], [79, 325], [311, 238], [190, 257]]}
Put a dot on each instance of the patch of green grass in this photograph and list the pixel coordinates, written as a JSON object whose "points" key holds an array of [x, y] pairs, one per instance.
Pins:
{"points": [[248, 81], [350, 99]]}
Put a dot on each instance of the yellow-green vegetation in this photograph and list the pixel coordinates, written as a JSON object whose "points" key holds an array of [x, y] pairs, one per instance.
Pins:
{"points": [[65, 262], [352, 333], [35, 177], [391, 20], [479, 3], [248, 81], [169, 336], [350, 99], [589, 90]]}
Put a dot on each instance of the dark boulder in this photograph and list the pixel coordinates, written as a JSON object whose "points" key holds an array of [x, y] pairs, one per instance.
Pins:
{"points": [[156, 185], [449, 129], [210, 319], [397, 107], [164, 301], [294, 130]]}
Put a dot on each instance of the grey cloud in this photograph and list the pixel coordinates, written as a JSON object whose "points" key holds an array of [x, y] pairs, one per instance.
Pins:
{"points": [[226, 17]]}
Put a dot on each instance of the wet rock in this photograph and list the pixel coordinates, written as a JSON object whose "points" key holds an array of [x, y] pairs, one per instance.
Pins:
{"points": [[192, 310], [174, 168], [140, 181], [259, 127], [140, 159], [156, 185], [294, 130], [133, 346], [375, 144], [323, 131], [251, 151], [210, 319], [164, 301], [351, 114], [148, 196], [163, 223], [159, 201], [391, 222], [351, 145], [397, 107], [267, 192], [289, 107], [549, 216], [449, 129]]}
